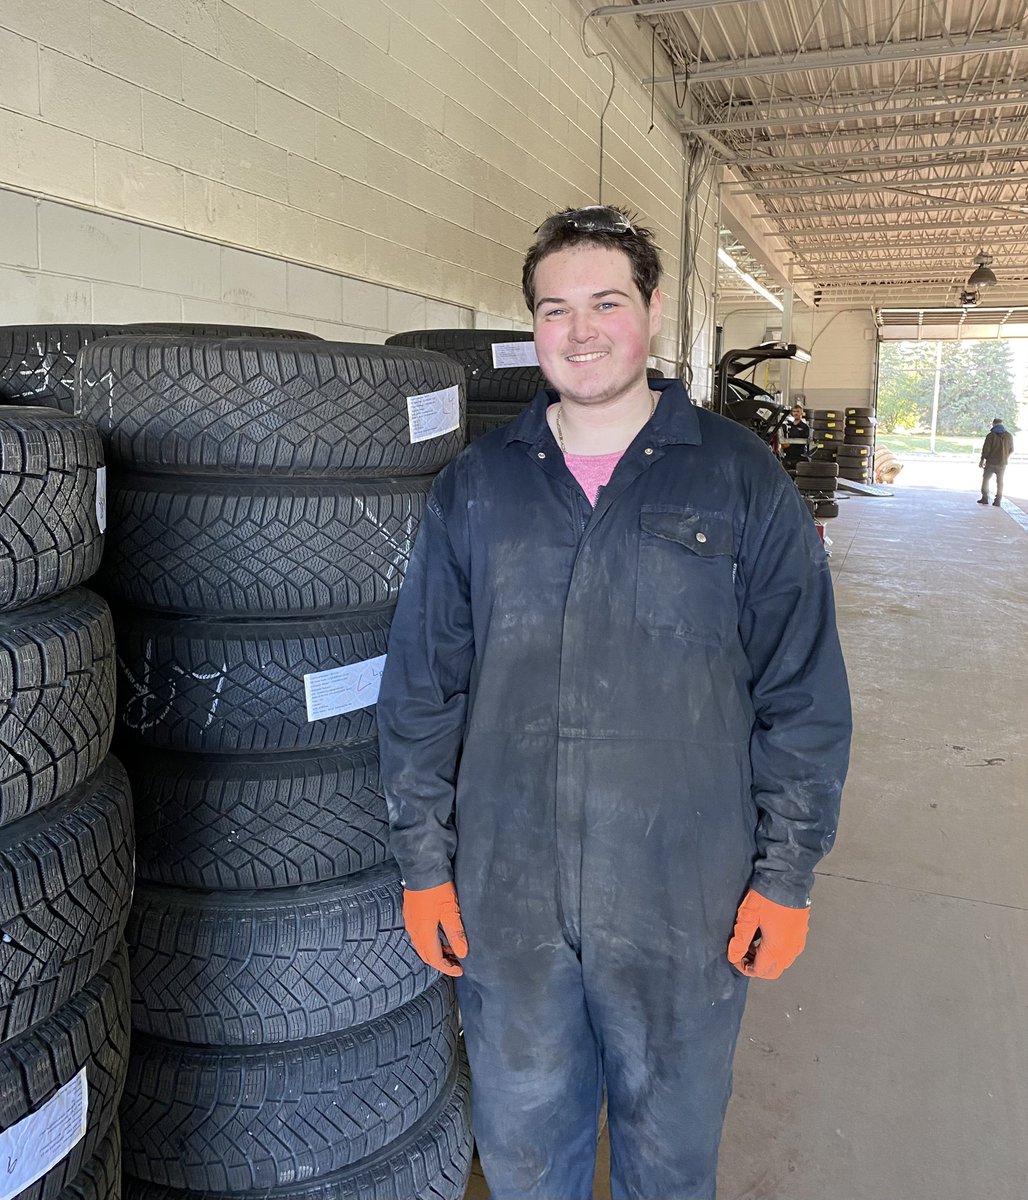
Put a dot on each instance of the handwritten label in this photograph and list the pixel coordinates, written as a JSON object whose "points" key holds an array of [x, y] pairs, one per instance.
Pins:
{"points": [[433, 414], [39, 1141], [343, 689], [101, 498], [515, 354]]}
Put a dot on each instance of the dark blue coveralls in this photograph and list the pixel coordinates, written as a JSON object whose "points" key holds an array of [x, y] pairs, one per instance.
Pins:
{"points": [[606, 724]]}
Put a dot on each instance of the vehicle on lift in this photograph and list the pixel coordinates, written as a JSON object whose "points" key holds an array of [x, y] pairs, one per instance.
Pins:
{"points": [[746, 403]]}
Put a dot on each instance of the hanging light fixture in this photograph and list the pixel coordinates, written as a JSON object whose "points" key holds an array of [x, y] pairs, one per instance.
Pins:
{"points": [[981, 277]]}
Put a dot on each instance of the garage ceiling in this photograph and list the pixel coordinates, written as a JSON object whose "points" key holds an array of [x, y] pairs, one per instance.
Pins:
{"points": [[880, 144]]}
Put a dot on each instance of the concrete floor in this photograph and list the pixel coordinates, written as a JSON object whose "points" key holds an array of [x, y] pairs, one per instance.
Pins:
{"points": [[891, 1062]]}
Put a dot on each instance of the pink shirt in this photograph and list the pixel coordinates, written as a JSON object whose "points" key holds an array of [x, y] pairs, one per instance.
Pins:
{"points": [[592, 471]]}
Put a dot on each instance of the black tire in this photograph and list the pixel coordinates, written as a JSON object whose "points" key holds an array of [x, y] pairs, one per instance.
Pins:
{"points": [[826, 508], [100, 1178], [249, 823], [829, 435], [815, 487], [506, 386], [472, 348], [65, 887], [279, 547], [815, 470], [234, 686], [50, 537], [37, 362], [90, 1032], [857, 476], [57, 680], [217, 1120], [487, 417], [819, 423], [864, 428], [259, 968], [192, 329], [252, 406], [822, 453], [860, 412], [827, 414], [859, 439], [854, 452], [431, 1161]]}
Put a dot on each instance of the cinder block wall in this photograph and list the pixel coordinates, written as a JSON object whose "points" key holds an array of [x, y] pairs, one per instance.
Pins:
{"points": [[352, 167]]}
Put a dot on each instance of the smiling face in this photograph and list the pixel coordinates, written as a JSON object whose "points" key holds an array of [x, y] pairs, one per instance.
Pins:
{"points": [[592, 325]]}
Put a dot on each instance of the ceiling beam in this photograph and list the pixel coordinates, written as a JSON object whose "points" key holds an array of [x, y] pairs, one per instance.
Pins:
{"points": [[888, 210], [766, 246], [982, 88], [659, 7], [855, 56], [818, 187], [859, 114], [926, 227], [838, 157], [970, 243]]}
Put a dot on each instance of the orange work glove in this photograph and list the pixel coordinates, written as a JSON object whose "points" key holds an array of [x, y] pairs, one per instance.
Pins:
{"points": [[780, 934], [424, 911]]}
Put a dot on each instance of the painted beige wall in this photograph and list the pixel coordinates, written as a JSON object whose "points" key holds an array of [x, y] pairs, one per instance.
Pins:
{"points": [[411, 145], [842, 344]]}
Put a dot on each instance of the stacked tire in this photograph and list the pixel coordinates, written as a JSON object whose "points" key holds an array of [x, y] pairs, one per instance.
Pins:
{"points": [[288, 1043], [37, 362], [816, 481], [856, 456], [66, 841], [496, 394]]}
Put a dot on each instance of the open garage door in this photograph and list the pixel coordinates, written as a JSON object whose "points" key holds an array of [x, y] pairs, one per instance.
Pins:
{"points": [[950, 324]]}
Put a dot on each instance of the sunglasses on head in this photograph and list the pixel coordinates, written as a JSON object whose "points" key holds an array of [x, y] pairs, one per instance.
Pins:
{"points": [[595, 218]]}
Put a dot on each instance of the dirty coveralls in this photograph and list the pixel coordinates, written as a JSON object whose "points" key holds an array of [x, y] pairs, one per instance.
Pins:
{"points": [[605, 724]]}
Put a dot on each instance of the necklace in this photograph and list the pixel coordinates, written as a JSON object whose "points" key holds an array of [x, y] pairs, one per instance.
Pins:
{"points": [[560, 432]]}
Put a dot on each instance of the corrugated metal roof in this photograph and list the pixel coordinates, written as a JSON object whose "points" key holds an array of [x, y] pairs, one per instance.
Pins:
{"points": [[884, 143]]}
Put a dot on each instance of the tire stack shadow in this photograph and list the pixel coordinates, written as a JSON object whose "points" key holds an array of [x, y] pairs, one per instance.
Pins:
{"points": [[287, 1042], [66, 841]]}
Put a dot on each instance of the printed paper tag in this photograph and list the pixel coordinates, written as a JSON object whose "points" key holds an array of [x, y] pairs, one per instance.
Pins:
{"points": [[342, 689], [433, 414], [39, 1141], [101, 498], [515, 354]]}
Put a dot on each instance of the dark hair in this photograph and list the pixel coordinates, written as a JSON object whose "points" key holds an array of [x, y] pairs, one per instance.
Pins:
{"points": [[636, 242]]}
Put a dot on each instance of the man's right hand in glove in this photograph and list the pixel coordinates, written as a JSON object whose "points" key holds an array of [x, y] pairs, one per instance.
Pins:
{"points": [[427, 910]]}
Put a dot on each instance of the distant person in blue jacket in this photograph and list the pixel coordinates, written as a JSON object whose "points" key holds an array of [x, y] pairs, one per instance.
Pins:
{"points": [[996, 451], [614, 725]]}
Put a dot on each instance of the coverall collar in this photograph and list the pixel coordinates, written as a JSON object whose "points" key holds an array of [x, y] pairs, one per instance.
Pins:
{"points": [[673, 422]]}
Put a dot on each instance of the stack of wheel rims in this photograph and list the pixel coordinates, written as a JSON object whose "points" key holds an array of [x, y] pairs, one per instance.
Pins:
{"points": [[66, 843], [502, 375], [288, 1044], [857, 453]]}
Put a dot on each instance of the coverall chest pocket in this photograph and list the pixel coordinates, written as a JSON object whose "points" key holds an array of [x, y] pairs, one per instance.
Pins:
{"points": [[686, 581]]}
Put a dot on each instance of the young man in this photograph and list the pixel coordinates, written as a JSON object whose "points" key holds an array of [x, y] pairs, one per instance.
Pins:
{"points": [[614, 722], [996, 451]]}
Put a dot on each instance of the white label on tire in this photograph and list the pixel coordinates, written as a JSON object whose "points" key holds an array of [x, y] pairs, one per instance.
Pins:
{"points": [[515, 354], [342, 689], [39, 1141], [433, 414], [101, 498]]}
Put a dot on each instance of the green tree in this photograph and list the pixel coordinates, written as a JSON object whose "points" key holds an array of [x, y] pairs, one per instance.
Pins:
{"points": [[977, 385], [906, 377]]}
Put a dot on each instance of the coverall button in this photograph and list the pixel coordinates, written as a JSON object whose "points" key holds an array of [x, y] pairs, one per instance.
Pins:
{"points": [[541, 454], [648, 450], [701, 537]]}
